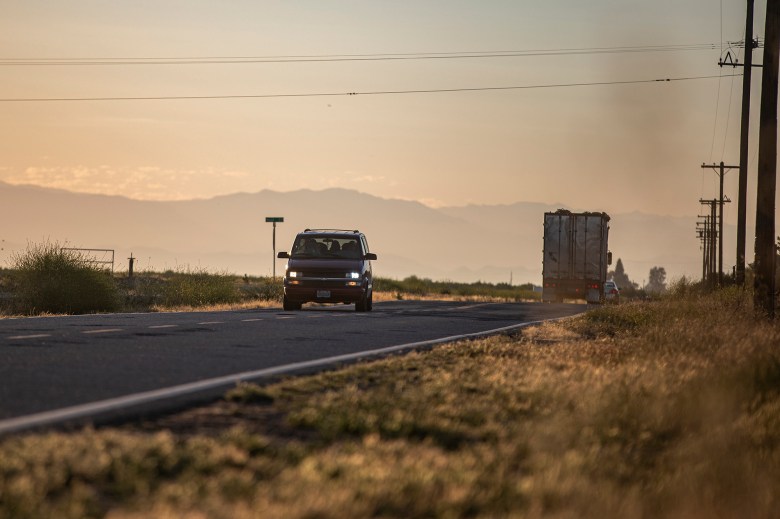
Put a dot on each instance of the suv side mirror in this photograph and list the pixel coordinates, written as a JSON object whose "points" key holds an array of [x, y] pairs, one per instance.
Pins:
{"points": [[370, 256], [283, 255]]}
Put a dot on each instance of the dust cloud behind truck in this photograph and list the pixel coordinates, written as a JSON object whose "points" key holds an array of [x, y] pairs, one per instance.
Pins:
{"points": [[576, 256]]}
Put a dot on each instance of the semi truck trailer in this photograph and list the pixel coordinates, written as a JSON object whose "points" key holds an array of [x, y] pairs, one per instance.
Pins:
{"points": [[575, 256]]}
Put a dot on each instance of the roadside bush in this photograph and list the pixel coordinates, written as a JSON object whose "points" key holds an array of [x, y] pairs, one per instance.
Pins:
{"points": [[263, 289], [198, 287], [416, 286], [49, 279]]}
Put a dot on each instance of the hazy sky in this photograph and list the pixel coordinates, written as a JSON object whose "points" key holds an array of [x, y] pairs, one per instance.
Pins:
{"points": [[616, 148]]}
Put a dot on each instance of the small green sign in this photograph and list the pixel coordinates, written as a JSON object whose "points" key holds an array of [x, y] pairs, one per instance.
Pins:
{"points": [[274, 219]]}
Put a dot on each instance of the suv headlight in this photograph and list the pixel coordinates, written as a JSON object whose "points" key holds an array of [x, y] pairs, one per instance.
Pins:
{"points": [[294, 274], [353, 275]]}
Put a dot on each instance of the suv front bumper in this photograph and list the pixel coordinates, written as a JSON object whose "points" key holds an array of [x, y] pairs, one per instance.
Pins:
{"points": [[324, 291]]}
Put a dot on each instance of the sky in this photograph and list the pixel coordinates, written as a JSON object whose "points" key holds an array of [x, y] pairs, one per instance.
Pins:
{"points": [[625, 144]]}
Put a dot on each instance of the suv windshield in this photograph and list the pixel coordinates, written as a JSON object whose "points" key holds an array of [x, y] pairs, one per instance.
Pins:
{"points": [[326, 247]]}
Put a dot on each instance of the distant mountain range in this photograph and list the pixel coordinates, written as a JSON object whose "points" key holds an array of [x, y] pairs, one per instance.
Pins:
{"points": [[495, 243]]}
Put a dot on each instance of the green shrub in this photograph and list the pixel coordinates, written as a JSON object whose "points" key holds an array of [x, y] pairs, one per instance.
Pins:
{"points": [[51, 279]]}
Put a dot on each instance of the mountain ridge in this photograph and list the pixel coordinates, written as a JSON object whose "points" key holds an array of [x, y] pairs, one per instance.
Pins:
{"points": [[228, 233]]}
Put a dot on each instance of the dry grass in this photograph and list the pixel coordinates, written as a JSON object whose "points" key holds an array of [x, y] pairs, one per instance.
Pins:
{"points": [[669, 409], [222, 307], [378, 297]]}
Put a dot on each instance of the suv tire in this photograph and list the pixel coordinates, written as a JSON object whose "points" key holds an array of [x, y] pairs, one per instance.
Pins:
{"points": [[289, 306], [365, 304]]}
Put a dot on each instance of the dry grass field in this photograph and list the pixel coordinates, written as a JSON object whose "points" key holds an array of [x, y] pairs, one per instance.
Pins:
{"points": [[663, 409]]}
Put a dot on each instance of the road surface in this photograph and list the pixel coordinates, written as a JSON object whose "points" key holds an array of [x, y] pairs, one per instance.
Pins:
{"points": [[49, 363]]}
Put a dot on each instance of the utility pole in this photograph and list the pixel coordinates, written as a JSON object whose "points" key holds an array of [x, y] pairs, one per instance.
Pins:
{"points": [[700, 230], [743, 146], [710, 237], [750, 44], [703, 231], [721, 169], [764, 294]]}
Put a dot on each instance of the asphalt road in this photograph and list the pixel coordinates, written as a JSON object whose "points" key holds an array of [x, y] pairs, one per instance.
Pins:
{"points": [[49, 363]]}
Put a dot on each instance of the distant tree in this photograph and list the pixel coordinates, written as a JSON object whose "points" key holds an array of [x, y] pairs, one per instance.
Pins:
{"points": [[657, 280], [620, 277]]}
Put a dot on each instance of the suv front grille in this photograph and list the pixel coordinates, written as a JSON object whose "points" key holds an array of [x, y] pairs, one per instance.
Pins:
{"points": [[330, 274]]}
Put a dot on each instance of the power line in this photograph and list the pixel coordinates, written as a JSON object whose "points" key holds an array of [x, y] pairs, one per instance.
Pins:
{"points": [[366, 93], [728, 118], [715, 122], [214, 60]]}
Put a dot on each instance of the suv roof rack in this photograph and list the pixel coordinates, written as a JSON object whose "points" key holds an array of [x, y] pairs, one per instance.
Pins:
{"points": [[332, 230]]}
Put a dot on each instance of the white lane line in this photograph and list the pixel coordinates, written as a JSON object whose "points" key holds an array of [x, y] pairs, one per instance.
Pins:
{"points": [[469, 307], [285, 317], [114, 404], [212, 322], [164, 326], [36, 336], [106, 330], [250, 320]]}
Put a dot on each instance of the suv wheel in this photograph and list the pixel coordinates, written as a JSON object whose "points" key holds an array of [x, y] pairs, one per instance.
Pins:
{"points": [[364, 305], [289, 306]]}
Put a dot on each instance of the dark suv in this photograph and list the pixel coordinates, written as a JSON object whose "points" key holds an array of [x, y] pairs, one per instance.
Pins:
{"points": [[328, 266]]}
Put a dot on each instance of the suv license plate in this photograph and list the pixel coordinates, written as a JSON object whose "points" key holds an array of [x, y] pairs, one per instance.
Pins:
{"points": [[323, 293]]}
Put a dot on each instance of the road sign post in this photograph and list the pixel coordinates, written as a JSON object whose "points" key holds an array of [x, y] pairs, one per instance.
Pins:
{"points": [[274, 220]]}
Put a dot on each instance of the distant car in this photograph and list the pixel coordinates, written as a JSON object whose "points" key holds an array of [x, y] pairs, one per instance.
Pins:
{"points": [[329, 266], [611, 292]]}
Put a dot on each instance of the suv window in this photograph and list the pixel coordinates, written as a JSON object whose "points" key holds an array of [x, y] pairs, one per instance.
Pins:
{"points": [[326, 247]]}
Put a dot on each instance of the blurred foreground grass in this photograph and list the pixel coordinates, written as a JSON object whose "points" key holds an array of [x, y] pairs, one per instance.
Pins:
{"points": [[663, 409]]}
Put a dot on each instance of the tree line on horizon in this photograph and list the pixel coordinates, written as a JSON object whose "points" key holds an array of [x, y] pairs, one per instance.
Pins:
{"points": [[656, 281]]}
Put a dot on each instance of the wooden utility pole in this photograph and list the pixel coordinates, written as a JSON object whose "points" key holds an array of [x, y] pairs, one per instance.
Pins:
{"points": [[743, 147], [764, 295], [721, 169], [705, 241], [710, 239]]}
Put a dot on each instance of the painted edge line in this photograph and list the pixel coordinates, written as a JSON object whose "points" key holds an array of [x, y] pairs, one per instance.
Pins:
{"points": [[82, 411]]}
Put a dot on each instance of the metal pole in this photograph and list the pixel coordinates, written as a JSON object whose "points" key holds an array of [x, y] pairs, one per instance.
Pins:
{"points": [[274, 253], [273, 220]]}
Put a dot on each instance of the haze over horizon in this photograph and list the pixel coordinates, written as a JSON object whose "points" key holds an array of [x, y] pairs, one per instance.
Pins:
{"points": [[493, 243], [444, 103]]}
